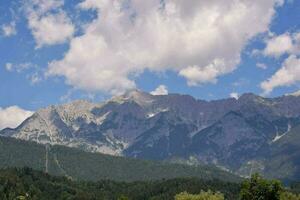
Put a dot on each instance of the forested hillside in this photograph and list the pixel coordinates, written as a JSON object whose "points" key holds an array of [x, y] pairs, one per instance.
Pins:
{"points": [[35, 185], [28, 184], [80, 165]]}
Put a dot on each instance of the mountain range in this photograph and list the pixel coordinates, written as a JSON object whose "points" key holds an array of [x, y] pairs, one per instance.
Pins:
{"points": [[243, 135]]}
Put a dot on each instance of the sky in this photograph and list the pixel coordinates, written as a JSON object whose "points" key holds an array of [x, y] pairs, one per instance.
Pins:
{"points": [[56, 51]]}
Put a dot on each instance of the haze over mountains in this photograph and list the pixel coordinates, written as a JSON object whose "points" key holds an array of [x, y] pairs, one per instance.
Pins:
{"points": [[242, 135]]}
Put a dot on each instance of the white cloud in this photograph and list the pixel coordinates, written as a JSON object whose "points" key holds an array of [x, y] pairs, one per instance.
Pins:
{"points": [[296, 38], [198, 75], [51, 29], [43, 6], [160, 90], [234, 95], [200, 40], [261, 65], [48, 27], [281, 44], [9, 29], [13, 116], [287, 75]]}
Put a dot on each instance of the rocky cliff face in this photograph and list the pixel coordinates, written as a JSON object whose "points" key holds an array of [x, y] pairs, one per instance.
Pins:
{"points": [[240, 135]]}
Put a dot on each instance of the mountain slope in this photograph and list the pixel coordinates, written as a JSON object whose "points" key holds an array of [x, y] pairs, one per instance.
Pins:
{"points": [[77, 164], [239, 135], [285, 157]]}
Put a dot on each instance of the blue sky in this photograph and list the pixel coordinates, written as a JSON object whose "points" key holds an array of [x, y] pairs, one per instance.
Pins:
{"points": [[54, 51]]}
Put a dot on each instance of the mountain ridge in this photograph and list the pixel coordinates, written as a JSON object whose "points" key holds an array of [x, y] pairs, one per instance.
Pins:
{"points": [[228, 133]]}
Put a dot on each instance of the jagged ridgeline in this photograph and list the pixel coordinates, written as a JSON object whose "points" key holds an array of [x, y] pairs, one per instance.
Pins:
{"points": [[79, 165], [244, 135]]}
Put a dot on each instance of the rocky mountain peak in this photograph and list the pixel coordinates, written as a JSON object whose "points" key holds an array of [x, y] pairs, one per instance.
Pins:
{"points": [[248, 97], [140, 97]]}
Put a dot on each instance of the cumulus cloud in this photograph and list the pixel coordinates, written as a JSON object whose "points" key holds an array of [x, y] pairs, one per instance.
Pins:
{"points": [[282, 44], [279, 45], [287, 75], [160, 90], [48, 23], [197, 75], [200, 40], [13, 116], [289, 72], [234, 95], [9, 29]]}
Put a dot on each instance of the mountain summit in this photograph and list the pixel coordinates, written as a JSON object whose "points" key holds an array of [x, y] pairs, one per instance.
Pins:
{"points": [[251, 133]]}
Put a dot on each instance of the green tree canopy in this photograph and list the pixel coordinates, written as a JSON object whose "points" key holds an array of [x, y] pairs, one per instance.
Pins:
{"points": [[289, 196], [257, 188], [209, 195]]}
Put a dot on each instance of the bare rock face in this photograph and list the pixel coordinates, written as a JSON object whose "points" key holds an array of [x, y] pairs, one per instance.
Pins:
{"points": [[239, 135]]}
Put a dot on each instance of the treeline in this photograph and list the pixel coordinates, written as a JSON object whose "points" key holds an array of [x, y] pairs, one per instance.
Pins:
{"points": [[29, 184], [255, 188]]}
